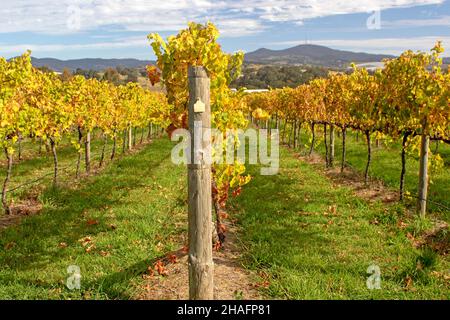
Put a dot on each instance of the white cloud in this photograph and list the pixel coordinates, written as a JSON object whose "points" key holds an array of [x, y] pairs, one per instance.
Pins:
{"points": [[443, 21], [129, 42], [393, 46], [237, 17]]}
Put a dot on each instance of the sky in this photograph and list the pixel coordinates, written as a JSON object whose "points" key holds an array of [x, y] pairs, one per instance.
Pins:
{"points": [[71, 29]]}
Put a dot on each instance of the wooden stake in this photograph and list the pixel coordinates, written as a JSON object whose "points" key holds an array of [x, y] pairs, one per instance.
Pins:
{"points": [[87, 152], [201, 266], [423, 176]]}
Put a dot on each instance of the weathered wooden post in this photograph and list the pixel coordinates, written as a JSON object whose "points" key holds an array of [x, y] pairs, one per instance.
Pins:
{"points": [[423, 175], [87, 152], [201, 266]]}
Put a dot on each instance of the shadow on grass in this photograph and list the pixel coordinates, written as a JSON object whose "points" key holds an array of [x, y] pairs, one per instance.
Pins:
{"points": [[63, 215]]}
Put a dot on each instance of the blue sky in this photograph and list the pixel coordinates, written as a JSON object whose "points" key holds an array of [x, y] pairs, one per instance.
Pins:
{"points": [[68, 29]]}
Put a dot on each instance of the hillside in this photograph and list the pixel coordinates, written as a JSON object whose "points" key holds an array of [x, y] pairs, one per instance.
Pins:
{"points": [[88, 64], [313, 55]]}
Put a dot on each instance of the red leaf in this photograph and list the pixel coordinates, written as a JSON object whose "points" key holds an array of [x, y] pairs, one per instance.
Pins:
{"points": [[92, 222], [160, 268]]}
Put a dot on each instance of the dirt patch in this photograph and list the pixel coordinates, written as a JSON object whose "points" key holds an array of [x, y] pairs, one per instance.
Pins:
{"points": [[437, 239], [375, 190], [231, 280], [18, 211]]}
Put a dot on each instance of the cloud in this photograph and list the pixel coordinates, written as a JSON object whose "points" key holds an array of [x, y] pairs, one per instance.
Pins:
{"points": [[129, 42], [393, 46], [237, 17], [443, 21]]}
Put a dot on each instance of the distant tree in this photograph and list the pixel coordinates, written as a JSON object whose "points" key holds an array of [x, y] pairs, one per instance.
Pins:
{"points": [[275, 76], [66, 75], [133, 77], [112, 76], [88, 74], [45, 69]]}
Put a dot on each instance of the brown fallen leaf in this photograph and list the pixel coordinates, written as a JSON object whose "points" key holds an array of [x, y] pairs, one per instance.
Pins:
{"points": [[10, 245], [62, 245], [92, 222], [409, 283], [217, 246], [333, 209], [160, 268], [104, 253], [90, 248], [402, 225], [173, 259]]}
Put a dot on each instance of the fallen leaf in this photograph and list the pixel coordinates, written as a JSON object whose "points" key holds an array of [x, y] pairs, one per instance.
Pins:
{"points": [[10, 245], [160, 268], [90, 248], [173, 259], [104, 253], [92, 222], [217, 246]]}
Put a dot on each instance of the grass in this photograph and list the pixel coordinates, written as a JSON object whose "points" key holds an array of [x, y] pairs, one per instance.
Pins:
{"points": [[306, 237], [35, 166], [386, 166], [306, 249], [112, 226]]}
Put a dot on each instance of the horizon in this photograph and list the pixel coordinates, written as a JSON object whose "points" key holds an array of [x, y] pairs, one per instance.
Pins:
{"points": [[445, 55], [114, 29]]}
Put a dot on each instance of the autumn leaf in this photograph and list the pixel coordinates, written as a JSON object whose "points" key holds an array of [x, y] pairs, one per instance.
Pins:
{"points": [[222, 228], [153, 75], [160, 268], [92, 222], [217, 246], [104, 253], [10, 245], [173, 259], [223, 215]]}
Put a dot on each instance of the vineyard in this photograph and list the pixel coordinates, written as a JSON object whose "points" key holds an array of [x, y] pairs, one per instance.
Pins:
{"points": [[88, 181]]}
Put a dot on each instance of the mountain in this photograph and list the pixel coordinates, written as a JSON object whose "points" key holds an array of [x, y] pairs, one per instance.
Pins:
{"points": [[313, 55], [88, 64]]}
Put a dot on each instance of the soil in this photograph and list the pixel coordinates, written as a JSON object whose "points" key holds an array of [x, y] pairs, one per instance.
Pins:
{"points": [[18, 211], [231, 280]]}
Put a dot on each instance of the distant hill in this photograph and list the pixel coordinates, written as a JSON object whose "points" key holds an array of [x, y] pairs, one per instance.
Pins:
{"points": [[299, 55], [312, 55], [88, 64]]}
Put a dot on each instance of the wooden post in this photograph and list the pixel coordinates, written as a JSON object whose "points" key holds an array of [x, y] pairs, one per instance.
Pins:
{"points": [[130, 138], [55, 162], [332, 139], [369, 157], [423, 176], [80, 141], [403, 172], [5, 204], [327, 157], [344, 137], [87, 150], [201, 266]]}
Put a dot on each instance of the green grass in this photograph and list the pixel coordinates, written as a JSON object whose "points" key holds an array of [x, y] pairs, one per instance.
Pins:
{"points": [[141, 196], [386, 166], [35, 166], [308, 253], [139, 201]]}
